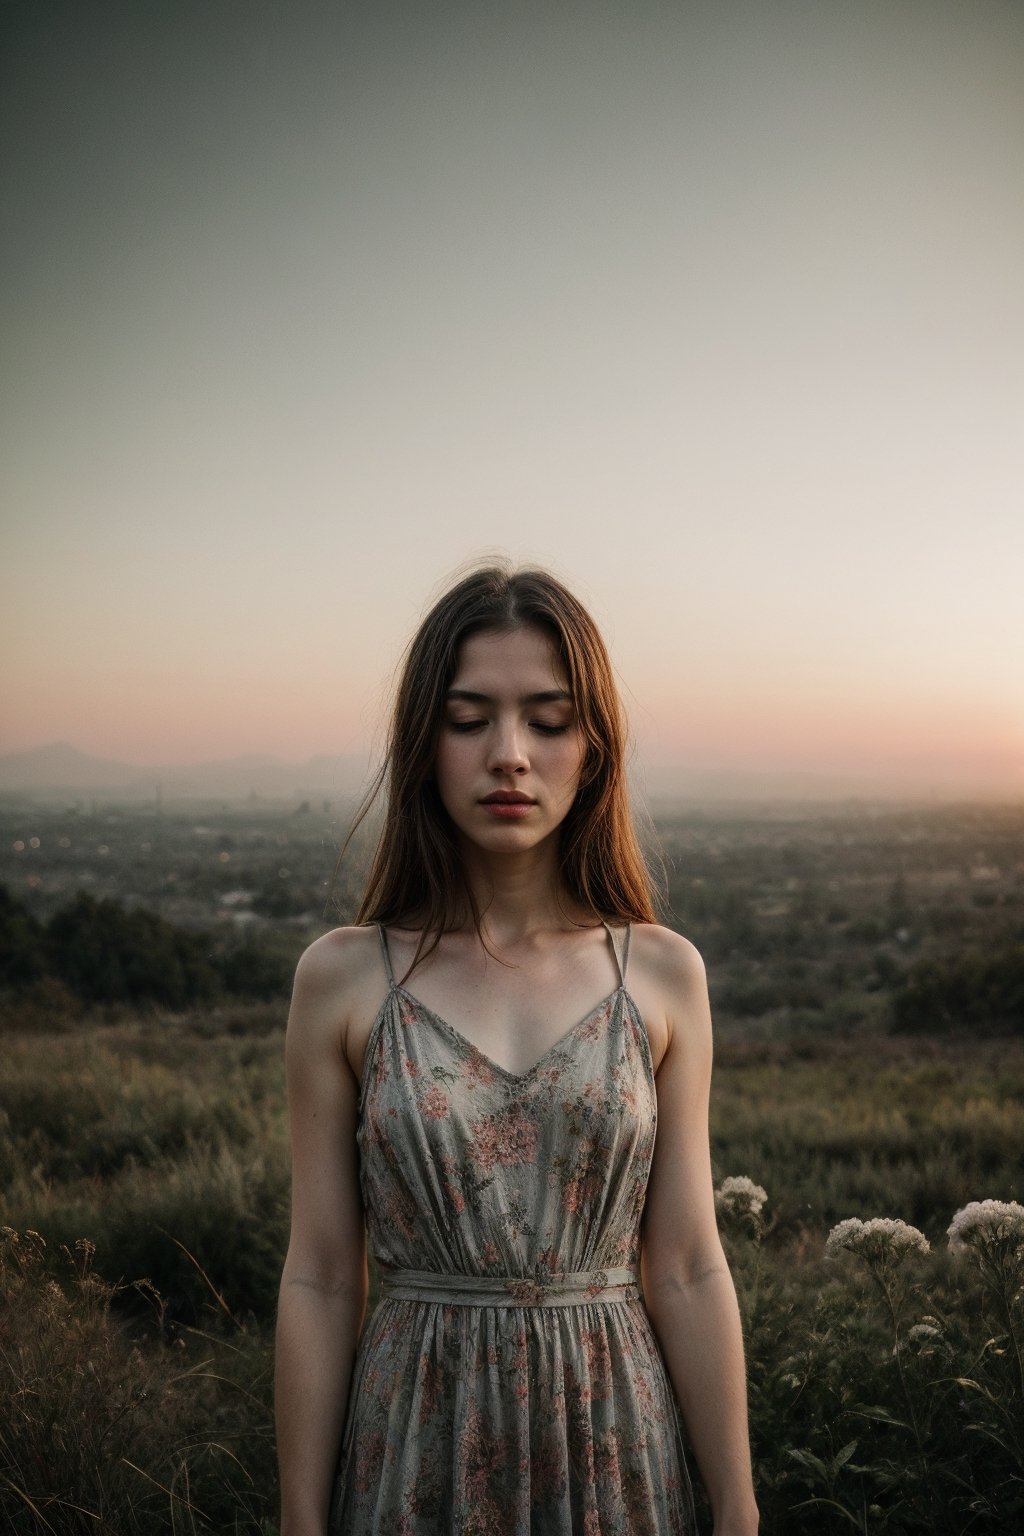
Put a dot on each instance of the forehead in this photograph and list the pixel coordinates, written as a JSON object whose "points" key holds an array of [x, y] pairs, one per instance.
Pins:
{"points": [[524, 659]]}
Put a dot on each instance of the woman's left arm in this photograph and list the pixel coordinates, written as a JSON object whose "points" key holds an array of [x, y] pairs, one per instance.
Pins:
{"points": [[687, 1285]]}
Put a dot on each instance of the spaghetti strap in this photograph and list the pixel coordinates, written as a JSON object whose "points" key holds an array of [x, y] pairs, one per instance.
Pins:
{"points": [[621, 961], [387, 955]]}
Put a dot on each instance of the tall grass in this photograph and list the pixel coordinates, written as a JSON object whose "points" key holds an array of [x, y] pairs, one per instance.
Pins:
{"points": [[152, 1141], [118, 1427]]}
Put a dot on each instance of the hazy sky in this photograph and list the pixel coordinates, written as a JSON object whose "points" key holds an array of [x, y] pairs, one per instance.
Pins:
{"points": [[716, 309]]}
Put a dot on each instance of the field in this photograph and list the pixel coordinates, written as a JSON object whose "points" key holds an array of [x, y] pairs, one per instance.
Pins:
{"points": [[866, 977]]}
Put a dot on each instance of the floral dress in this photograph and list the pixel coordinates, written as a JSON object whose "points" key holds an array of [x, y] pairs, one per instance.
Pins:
{"points": [[509, 1382]]}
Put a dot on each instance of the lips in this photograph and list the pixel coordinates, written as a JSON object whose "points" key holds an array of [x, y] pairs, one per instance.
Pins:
{"points": [[507, 797]]}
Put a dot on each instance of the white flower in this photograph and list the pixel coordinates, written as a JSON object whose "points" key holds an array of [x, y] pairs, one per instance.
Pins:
{"points": [[741, 1195], [922, 1332], [881, 1235], [841, 1236], [986, 1221]]}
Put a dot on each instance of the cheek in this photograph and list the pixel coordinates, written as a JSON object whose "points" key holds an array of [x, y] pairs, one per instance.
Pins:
{"points": [[450, 760], [570, 764]]}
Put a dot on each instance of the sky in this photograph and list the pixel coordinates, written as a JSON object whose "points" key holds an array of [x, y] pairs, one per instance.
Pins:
{"points": [[714, 309]]}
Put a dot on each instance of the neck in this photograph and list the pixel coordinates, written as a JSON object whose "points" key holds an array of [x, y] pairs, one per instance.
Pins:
{"points": [[517, 894]]}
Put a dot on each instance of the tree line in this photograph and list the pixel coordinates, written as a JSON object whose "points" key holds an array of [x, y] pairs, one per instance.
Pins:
{"points": [[106, 953]]}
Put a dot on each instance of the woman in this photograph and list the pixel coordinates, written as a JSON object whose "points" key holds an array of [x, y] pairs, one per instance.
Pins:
{"points": [[512, 1381]]}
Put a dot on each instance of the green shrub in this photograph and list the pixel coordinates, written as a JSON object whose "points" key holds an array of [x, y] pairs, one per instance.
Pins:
{"points": [[981, 993]]}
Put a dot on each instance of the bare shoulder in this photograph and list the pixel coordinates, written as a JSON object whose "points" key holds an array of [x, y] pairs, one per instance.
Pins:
{"points": [[667, 955], [338, 960], [339, 982], [668, 980]]}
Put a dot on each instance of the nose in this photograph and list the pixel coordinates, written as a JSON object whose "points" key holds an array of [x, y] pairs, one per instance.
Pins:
{"points": [[508, 749]]}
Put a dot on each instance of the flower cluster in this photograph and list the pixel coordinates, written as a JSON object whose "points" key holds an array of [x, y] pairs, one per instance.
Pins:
{"points": [[984, 1223], [740, 1196], [506, 1139], [881, 1236]]}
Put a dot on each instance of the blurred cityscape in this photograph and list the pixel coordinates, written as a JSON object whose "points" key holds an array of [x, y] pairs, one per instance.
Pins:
{"points": [[824, 921]]}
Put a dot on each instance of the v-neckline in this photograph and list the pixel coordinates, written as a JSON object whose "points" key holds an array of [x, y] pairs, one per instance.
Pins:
{"points": [[496, 1066]]}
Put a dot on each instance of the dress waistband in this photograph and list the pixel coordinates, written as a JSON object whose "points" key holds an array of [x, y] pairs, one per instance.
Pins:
{"points": [[452, 1290]]}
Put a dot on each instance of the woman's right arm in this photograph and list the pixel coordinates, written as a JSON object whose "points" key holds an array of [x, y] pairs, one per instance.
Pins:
{"points": [[323, 1286]]}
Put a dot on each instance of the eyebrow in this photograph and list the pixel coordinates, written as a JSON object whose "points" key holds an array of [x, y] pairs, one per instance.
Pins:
{"points": [[547, 696]]}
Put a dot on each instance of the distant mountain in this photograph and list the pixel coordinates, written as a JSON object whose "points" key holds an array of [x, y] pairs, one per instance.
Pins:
{"points": [[663, 784], [61, 771]]}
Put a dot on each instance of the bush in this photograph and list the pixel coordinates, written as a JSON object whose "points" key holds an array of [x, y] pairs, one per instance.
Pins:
{"points": [[969, 992], [99, 953], [23, 957], [106, 954]]}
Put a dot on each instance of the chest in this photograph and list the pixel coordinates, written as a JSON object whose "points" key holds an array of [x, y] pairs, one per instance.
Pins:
{"points": [[514, 1014]]}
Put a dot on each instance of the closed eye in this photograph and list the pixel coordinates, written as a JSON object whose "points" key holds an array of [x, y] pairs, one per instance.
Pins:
{"points": [[549, 730], [465, 726]]}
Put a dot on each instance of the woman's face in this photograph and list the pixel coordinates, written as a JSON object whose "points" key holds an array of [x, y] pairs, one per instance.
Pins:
{"points": [[510, 750]]}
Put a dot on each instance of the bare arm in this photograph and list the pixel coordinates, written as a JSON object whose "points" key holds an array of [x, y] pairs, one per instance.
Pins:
{"points": [[687, 1284], [323, 1286]]}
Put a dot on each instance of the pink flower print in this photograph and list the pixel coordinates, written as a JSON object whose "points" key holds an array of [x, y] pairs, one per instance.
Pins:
{"points": [[586, 1180], [591, 1523], [644, 1395], [399, 1212], [606, 1455], [626, 1246], [484, 1151], [627, 1096], [434, 1103], [478, 1071], [591, 1028], [572, 1196], [599, 1363], [487, 1517], [526, 1293], [450, 1172], [508, 1138], [490, 1253], [483, 1454], [368, 1463], [411, 1069], [432, 1381], [455, 1196]]}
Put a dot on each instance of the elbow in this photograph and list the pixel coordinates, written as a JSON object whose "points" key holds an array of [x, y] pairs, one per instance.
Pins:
{"points": [[331, 1287], [340, 1278], [672, 1279]]}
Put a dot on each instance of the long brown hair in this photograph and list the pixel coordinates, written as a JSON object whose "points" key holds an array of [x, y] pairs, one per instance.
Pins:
{"points": [[416, 876]]}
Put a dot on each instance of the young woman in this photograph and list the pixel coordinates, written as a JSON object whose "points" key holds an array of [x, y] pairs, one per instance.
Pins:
{"points": [[552, 1276]]}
